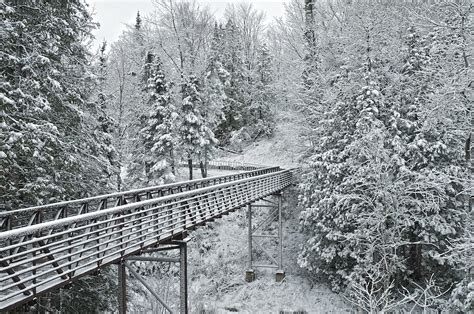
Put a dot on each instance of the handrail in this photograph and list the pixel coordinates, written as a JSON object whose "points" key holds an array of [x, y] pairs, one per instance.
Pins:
{"points": [[226, 165], [38, 258], [32, 215]]}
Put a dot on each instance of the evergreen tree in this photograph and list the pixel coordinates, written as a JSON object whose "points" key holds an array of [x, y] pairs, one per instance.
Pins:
{"points": [[43, 90], [103, 133], [196, 136], [212, 106], [382, 196], [230, 51], [54, 144], [259, 116], [154, 159]]}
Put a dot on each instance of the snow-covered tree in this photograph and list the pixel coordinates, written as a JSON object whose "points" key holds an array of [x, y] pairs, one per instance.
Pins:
{"points": [[214, 98], [105, 129], [45, 147], [384, 197], [55, 136], [154, 157], [259, 115], [195, 134]]}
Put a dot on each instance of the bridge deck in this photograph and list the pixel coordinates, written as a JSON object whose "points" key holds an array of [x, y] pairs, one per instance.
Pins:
{"points": [[39, 257]]}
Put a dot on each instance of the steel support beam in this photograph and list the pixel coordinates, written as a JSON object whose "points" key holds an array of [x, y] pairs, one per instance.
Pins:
{"points": [[153, 259], [122, 288], [275, 213], [149, 288], [249, 273], [183, 275], [280, 274]]}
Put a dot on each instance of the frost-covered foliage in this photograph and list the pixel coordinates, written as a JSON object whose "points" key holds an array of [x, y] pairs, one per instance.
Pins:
{"points": [[386, 196], [259, 115], [153, 158], [48, 147], [105, 127], [196, 134], [248, 89], [55, 135]]}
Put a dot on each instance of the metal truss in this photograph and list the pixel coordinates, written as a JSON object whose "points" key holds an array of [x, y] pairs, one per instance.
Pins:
{"points": [[183, 275], [38, 258], [260, 234], [13, 219]]}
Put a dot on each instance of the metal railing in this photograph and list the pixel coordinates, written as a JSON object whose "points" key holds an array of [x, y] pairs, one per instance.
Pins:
{"points": [[226, 165], [37, 258], [33, 215]]}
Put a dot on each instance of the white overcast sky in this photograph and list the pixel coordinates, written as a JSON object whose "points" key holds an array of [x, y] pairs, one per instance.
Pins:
{"points": [[114, 14]]}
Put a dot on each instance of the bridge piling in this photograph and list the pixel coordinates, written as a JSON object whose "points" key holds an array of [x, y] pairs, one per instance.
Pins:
{"points": [[122, 288], [249, 274], [260, 231]]}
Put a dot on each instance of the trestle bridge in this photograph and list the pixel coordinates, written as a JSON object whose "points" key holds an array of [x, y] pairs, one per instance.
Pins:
{"points": [[46, 247]]}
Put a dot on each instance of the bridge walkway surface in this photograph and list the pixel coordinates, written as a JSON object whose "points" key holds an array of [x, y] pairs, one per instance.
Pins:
{"points": [[46, 247]]}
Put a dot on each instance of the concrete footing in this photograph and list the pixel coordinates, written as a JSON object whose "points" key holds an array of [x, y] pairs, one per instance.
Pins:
{"points": [[280, 275], [249, 275]]}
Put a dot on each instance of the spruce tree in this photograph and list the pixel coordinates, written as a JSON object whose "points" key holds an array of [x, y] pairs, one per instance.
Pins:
{"points": [[44, 92], [160, 126], [230, 51], [382, 197], [154, 153], [259, 116]]}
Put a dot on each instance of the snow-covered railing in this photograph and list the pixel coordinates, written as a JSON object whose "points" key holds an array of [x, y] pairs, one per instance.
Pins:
{"points": [[227, 165], [35, 259], [33, 215]]}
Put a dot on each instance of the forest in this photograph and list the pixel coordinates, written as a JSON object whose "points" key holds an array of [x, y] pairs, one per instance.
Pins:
{"points": [[385, 187]]}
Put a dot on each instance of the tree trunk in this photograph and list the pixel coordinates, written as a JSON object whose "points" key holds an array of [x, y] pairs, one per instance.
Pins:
{"points": [[119, 180], [415, 255], [173, 166], [309, 24], [190, 166], [203, 166]]}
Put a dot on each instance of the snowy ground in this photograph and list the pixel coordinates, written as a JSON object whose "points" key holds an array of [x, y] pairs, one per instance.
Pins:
{"points": [[284, 149], [217, 253]]}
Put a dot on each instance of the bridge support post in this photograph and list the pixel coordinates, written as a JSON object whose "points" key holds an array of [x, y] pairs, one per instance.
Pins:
{"points": [[280, 274], [122, 288], [262, 234], [183, 277], [249, 273]]}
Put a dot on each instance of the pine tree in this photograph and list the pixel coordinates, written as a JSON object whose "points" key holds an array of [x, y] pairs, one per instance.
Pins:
{"points": [[103, 133], [53, 143], [382, 196], [212, 105], [197, 137], [259, 116], [154, 153], [43, 97], [160, 128], [229, 49]]}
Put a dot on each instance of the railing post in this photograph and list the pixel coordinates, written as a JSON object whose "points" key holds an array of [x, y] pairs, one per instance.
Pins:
{"points": [[250, 274], [122, 288]]}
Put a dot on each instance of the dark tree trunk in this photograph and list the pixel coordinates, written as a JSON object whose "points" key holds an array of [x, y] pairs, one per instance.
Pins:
{"points": [[173, 166], [414, 257], [203, 166], [190, 166]]}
